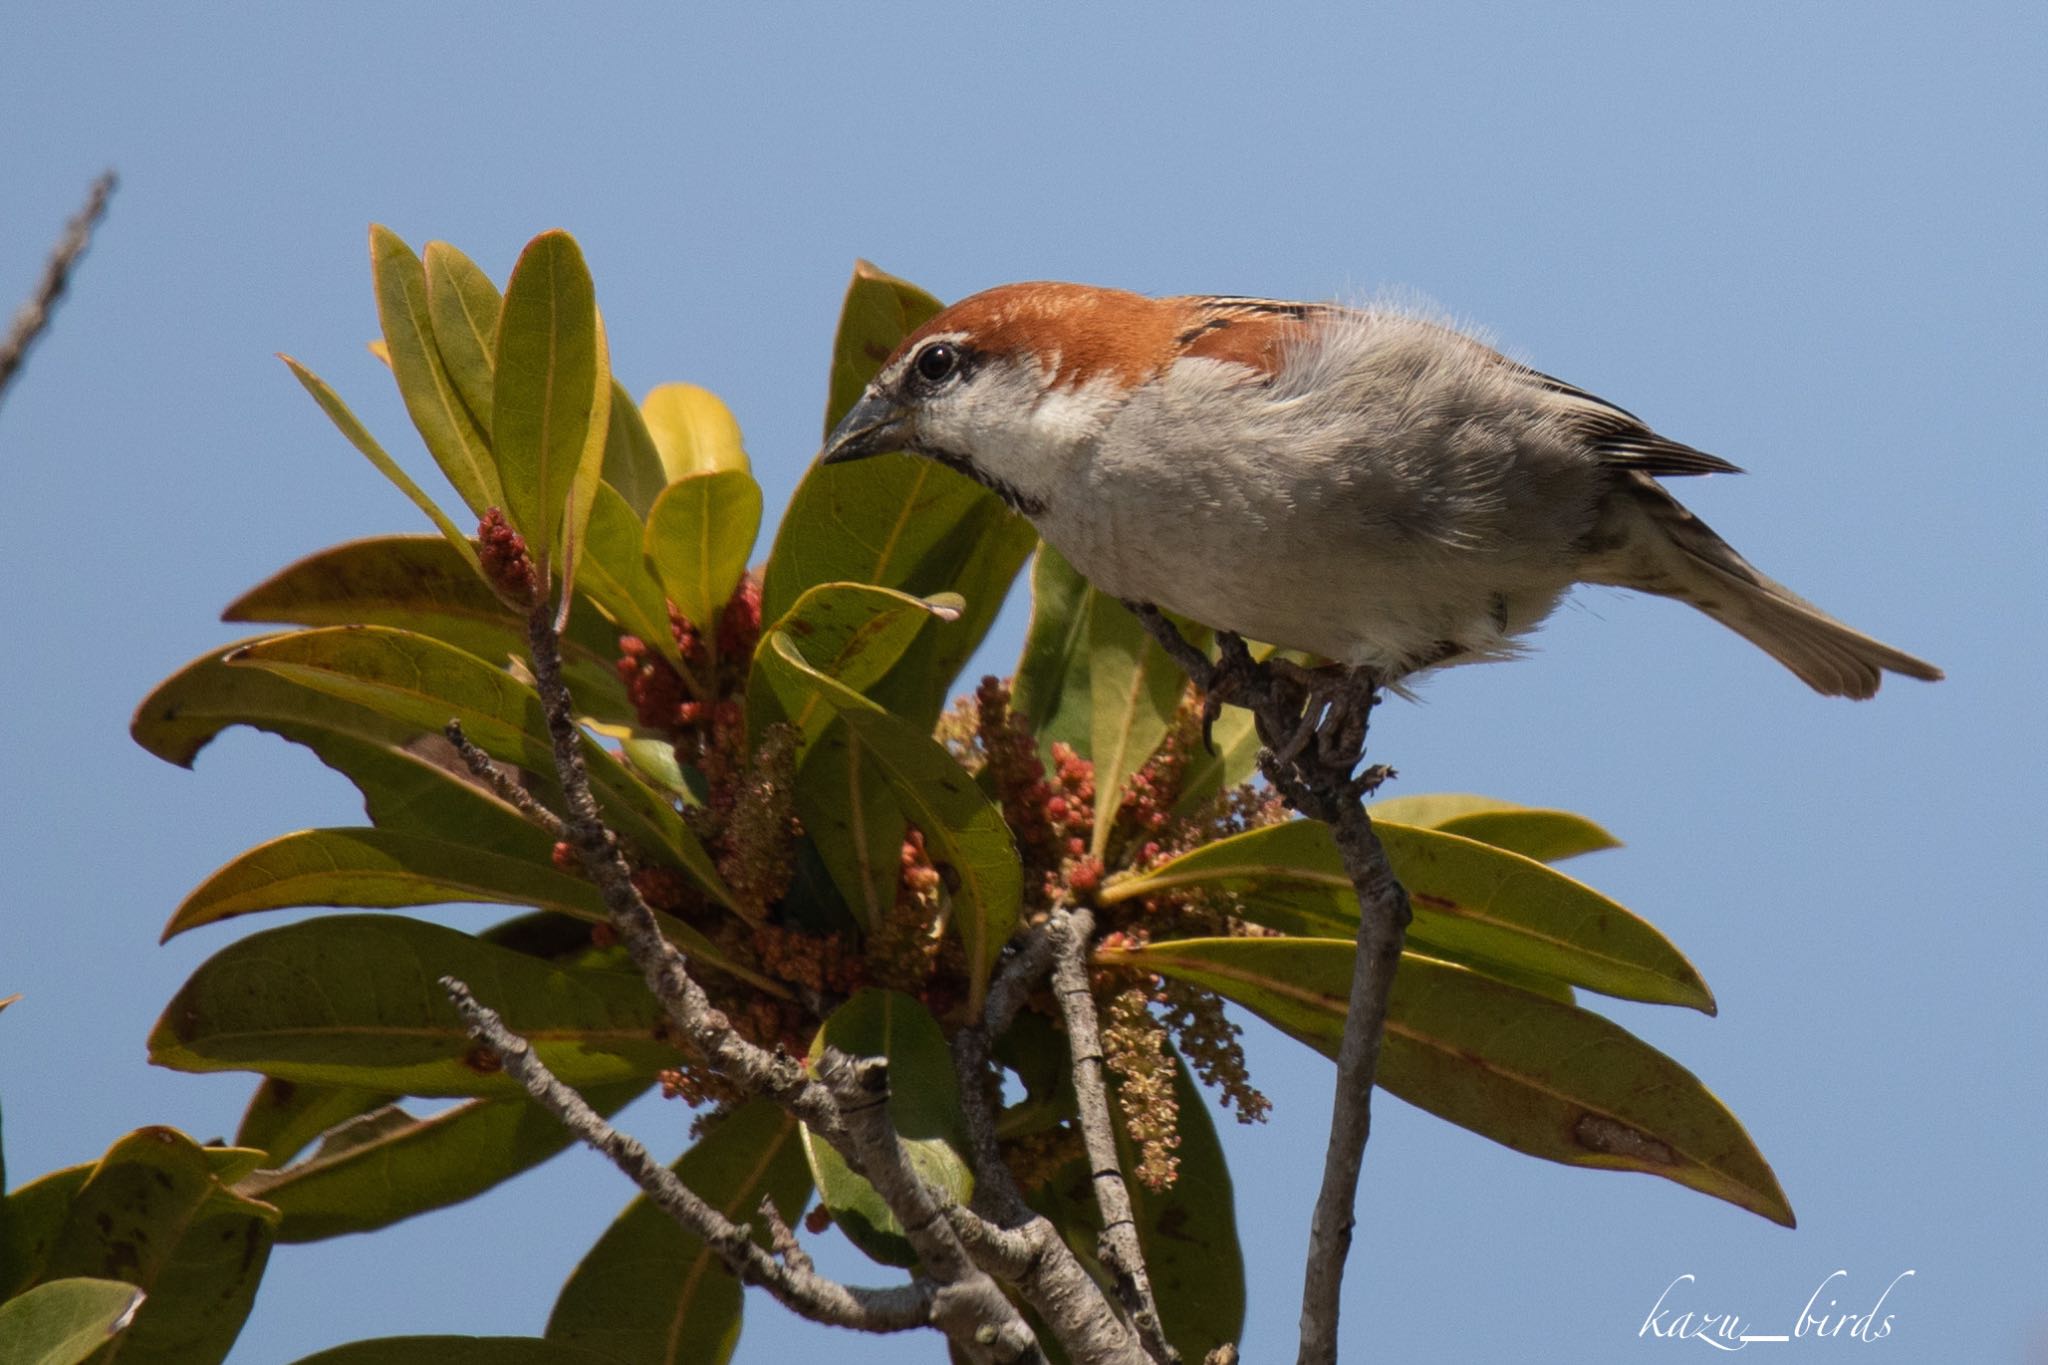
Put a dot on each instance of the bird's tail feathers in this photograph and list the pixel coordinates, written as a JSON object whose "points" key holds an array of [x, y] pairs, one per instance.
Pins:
{"points": [[1696, 566]]}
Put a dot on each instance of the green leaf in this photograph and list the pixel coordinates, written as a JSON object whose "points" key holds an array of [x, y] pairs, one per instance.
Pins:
{"points": [[1545, 835], [897, 522], [64, 1321], [924, 1107], [1470, 900], [847, 631], [387, 1165], [964, 831], [284, 1116], [1134, 688], [1545, 1078], [553, 394], [381, 868], [425, 683], [453, 437], [849, 816], [650, 1291], [30, 1220], [451, 1350], [698, 538], [359, 436], [463, 306], [356, 1000], [154, 1211], [416, 583], [693, 431], [617, 578], [632, 462], [1051, 688]]}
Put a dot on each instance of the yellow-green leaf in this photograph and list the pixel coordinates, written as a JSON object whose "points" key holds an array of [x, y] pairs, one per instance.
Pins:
{"points": [[924, 1109], [698, 538], [65, 1321], [424, 683], [1544, 1078], [359, 436], [1545, 835], [1134, 688], [453, 437], [632, 463], [694, 431], [615, 575], [463, 306], [356, 1000], [377, 868], [1470, 900], [552, 392], [848, 631]]}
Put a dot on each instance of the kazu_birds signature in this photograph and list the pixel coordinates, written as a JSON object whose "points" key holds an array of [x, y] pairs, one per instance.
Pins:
{"points": [[1363, 484]]}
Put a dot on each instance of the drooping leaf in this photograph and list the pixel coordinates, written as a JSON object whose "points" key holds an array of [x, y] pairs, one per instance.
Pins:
{"points": [[848, 631], [377, 867], [425, 683], [1545, 835], [453, 437], [450, 1350], [694, 431], [1211, 772], [964, 831], [463, 306], [650, 1291], [1541, 1077], [924, 1107], [1134, 688], [553, 392], [65, 1321], [387, 1165], [1470, 900], [416, 583], [632, 462], [698, 538], [283, 1117], [356, 1000], [359, 436], [154, 1211]]}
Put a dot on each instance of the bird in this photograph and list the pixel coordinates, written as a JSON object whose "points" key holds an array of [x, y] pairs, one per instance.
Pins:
{"points": [[1368, 485]]}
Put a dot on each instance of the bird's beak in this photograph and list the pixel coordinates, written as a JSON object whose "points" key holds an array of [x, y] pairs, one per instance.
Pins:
{"points": [[874, 426]]}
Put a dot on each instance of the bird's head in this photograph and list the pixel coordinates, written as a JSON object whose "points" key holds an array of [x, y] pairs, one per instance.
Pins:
{"points": [[1012, 385]]}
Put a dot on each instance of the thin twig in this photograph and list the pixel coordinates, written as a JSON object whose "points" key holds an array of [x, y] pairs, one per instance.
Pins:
{"points": [[1314, 743], [500, 779], [33, 317], [791, 1279], [1073, 930]]}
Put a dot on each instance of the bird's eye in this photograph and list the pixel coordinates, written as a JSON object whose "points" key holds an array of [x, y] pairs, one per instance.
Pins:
{"points": [[937, 362]]}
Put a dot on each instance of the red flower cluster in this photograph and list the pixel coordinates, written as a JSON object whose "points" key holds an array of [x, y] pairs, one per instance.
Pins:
{"points": [[507, 565]]}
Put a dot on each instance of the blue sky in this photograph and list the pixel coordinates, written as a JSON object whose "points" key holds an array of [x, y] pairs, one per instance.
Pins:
{"points": [[1807, 238]]}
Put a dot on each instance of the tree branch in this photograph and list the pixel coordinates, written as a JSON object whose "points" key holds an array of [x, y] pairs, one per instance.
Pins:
{"points": [[1314, 734], [1072, 932], [790, 1279], [33, 317]]}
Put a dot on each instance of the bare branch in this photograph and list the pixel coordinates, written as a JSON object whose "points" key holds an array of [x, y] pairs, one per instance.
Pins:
{"points": [[501, 781], [33, 317], [1072, 931], [1314, 732], [791, 1280]]}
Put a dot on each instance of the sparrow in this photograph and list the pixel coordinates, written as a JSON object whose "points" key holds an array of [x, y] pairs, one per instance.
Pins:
{"points": [[1363, 484]]}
